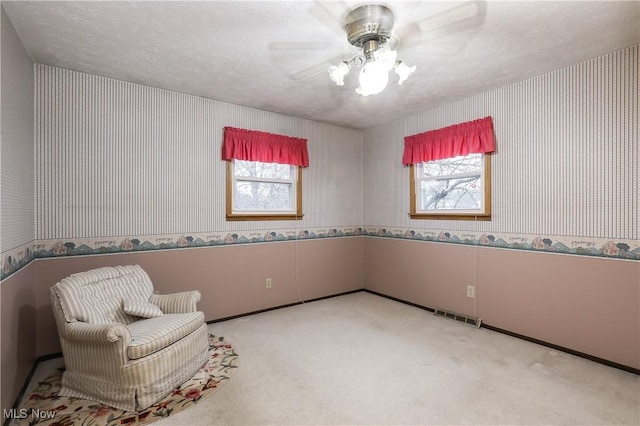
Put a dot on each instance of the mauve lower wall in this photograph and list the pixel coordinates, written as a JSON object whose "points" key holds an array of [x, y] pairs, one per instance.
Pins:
{"points": [[231, 278], [588, 304], [18, 336]]}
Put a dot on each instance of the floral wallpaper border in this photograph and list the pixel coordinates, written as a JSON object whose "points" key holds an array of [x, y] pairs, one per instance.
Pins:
{"points": [[15, 259], [582, 246]]}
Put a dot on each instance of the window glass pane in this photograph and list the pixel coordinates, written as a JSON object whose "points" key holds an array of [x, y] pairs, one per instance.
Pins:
{"points": [[454, 165], [461, 194], [263, 170], [256, 196]]}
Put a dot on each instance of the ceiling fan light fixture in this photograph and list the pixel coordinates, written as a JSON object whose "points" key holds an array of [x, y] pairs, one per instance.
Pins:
{"points": [[337, 73], [374, 77], [403, 71], [370, 27]]}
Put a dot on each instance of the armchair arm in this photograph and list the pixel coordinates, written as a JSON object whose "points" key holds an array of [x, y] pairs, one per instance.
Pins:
{"points": [[176, 303], [97, 333]]}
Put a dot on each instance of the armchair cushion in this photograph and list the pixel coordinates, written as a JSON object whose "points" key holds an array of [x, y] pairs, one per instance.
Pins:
{"points": [[140, 308], [153, 334]]}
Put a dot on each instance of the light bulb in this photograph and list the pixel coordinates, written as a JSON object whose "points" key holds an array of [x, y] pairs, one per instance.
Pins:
{"points": [[337, 73], [373, 78]]}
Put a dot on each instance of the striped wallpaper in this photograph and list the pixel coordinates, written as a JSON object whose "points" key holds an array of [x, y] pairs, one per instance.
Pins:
{"points": [[120, 159], [16, 195], [116, 161], [567, 154]]}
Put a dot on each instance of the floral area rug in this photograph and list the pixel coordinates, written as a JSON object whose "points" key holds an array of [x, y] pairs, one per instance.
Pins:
{"points": [[44, 407]]}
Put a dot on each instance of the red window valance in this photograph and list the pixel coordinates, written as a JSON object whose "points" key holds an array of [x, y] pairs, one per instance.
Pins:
{"points": [[460, 139], [252, 145]]}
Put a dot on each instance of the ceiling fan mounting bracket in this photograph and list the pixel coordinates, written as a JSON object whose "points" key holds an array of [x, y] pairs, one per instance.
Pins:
{"points": [[369, 23]]}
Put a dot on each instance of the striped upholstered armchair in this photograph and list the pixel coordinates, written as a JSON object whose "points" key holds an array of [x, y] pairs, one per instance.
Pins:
{"points": [[123, 345]]}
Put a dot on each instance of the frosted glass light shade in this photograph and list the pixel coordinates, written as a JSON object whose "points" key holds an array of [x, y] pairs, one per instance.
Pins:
{"points": [[374, 77], [404, 71], [337, 73]]}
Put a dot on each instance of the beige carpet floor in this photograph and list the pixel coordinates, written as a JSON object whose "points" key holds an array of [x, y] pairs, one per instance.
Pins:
{"points": [[361, 359]]}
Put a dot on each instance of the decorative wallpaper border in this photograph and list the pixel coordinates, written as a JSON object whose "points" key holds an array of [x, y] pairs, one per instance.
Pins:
{"points": [[582, 246], [15, 259]]}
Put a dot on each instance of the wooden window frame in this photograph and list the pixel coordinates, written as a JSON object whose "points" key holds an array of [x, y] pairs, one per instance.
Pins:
{"points": [[484, 216], [231, 216]]}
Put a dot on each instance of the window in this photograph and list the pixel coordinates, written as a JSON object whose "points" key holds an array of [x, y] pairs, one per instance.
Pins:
{"points": [[264, 174], [452, 188], [263, 191], [450, 171]]}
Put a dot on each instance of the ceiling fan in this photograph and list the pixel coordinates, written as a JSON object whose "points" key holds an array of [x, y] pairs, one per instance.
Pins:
{"points": [[370, 27], [374, 40]]}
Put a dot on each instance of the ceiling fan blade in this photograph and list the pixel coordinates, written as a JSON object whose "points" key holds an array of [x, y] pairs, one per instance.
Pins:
{"points": [[456, 19], [331, 14], [293, 45], [312, 71]]}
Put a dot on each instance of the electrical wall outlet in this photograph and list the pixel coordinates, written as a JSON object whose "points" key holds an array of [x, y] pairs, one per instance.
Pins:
{"points": [[471, 291], [267, 283]]}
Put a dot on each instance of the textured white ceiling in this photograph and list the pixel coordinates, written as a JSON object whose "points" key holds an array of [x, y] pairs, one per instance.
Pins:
{"points": [[274, 55]]}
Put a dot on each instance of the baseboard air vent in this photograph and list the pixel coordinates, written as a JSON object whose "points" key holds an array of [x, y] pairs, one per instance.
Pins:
{"points": [[475, 322]]}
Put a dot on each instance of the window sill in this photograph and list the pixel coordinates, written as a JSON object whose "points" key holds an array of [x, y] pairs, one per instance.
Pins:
{"points": [[451, 216], [257, 217]]}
